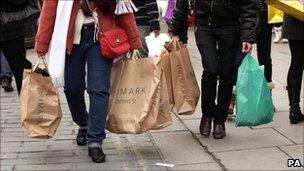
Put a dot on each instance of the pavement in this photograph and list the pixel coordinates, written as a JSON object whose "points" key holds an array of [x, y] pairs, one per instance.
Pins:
{"points": [[265, 147]]}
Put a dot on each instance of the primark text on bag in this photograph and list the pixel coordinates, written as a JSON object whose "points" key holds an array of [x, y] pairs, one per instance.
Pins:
{"points": [[40, 105]]}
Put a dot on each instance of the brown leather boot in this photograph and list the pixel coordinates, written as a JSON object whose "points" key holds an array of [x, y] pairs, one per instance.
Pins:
{"points": [[219, 130], [205, 126]]}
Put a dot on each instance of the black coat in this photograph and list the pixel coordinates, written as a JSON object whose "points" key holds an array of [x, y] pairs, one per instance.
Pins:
{"points": [[293, 28], [222, 12], [15, 15]]}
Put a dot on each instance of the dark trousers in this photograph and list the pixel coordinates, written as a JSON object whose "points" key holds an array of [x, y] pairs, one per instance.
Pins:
{"points": [[14, 52], [295, 73], [264, 45], [217, 46]]}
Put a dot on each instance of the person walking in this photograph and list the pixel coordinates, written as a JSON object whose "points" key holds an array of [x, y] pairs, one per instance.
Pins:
{"points": [[82, 48], [220, 26], [264, 37], [15, 15], [147, 20], [293, 30], [6, 74]]}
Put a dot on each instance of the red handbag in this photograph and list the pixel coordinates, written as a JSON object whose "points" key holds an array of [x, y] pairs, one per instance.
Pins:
{"points": [[114, 43]]}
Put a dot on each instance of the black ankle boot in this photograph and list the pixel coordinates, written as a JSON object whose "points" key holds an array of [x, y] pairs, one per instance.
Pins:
{"points": [[295, 115], [81, 138], [294, 81], [97, 154]]}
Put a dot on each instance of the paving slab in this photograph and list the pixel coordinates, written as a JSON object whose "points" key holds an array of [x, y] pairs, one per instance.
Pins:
{"points": [[180, 148], [244, 138], [44, 167], [197, 166], [256, 159], [296, 152], [293, 132]]}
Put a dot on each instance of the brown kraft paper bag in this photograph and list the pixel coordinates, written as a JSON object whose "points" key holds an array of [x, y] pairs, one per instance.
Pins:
{"points": [[164, 117], [40, 105], [185, 87], [165, 55], [134, 95]]}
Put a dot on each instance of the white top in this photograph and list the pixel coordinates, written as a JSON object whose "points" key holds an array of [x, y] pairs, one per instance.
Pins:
{"points": [[80, 20]]}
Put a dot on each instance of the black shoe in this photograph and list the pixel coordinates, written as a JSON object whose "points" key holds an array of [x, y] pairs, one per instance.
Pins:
{"points": [[219, 130], [7, 84], [205, 126], [97, 154], [81, 138], [295, 116]]}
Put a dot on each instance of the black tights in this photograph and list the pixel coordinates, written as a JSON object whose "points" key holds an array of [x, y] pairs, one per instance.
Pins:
{"points": [[295, 73]]}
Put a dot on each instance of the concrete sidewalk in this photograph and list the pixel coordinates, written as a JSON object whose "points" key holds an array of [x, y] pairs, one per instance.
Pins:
{"points": [[265, 147]]}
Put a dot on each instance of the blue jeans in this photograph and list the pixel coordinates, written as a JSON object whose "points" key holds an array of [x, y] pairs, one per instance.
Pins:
{"points": [[98, 83], [5, 68]]}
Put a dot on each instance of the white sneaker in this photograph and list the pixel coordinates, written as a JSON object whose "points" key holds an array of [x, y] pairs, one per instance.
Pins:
{"points": [[278, 34], [284, 40]]}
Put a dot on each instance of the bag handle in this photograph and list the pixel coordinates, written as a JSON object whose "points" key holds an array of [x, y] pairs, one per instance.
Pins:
{"points": [[134, 54], [174, 44], [37, 64]]}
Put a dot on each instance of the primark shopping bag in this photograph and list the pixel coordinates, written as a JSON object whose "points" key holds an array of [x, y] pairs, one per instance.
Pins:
{"points": [[184, 84], [135, 95], [40, 105], [254, 104]]}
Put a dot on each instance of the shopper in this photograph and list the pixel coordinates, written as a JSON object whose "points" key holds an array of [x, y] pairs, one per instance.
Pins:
{"points": [[147, 21], [82, 48], [264, 37], [6, 74], [220, 26], [15, 15], [293, 30]]}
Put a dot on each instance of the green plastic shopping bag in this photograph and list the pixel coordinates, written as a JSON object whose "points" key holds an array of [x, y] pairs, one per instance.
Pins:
{"points": [[254, 104]]}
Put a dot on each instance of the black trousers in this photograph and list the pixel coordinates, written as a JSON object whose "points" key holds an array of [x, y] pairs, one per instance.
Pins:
{"points": [[217, 46], [14, 52], [264, 45], [295, 73]]}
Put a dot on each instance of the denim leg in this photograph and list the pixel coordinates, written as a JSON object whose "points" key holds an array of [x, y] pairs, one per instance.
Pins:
{"points": [[99, 71], [75, 85], [5, 68], [206, 43], [144, 31]]}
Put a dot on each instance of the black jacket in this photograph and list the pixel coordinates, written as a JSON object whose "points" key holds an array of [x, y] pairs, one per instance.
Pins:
{"points": [[218, 13], [293, 28], [147, 14], [15, 15]]}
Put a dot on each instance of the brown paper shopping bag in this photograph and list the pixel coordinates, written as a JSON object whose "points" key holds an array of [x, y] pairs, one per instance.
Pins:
{"points": [[40, 105], [165, 55], [164, 117], [185, 87], [134, 95]]}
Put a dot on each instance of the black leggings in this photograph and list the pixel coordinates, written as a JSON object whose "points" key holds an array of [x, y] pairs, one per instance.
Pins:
{"points": [[14, 52], [295, 73], [264, 45]]}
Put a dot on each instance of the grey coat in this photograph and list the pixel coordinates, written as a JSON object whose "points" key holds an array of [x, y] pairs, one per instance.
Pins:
{"points": [[293, 28]]}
